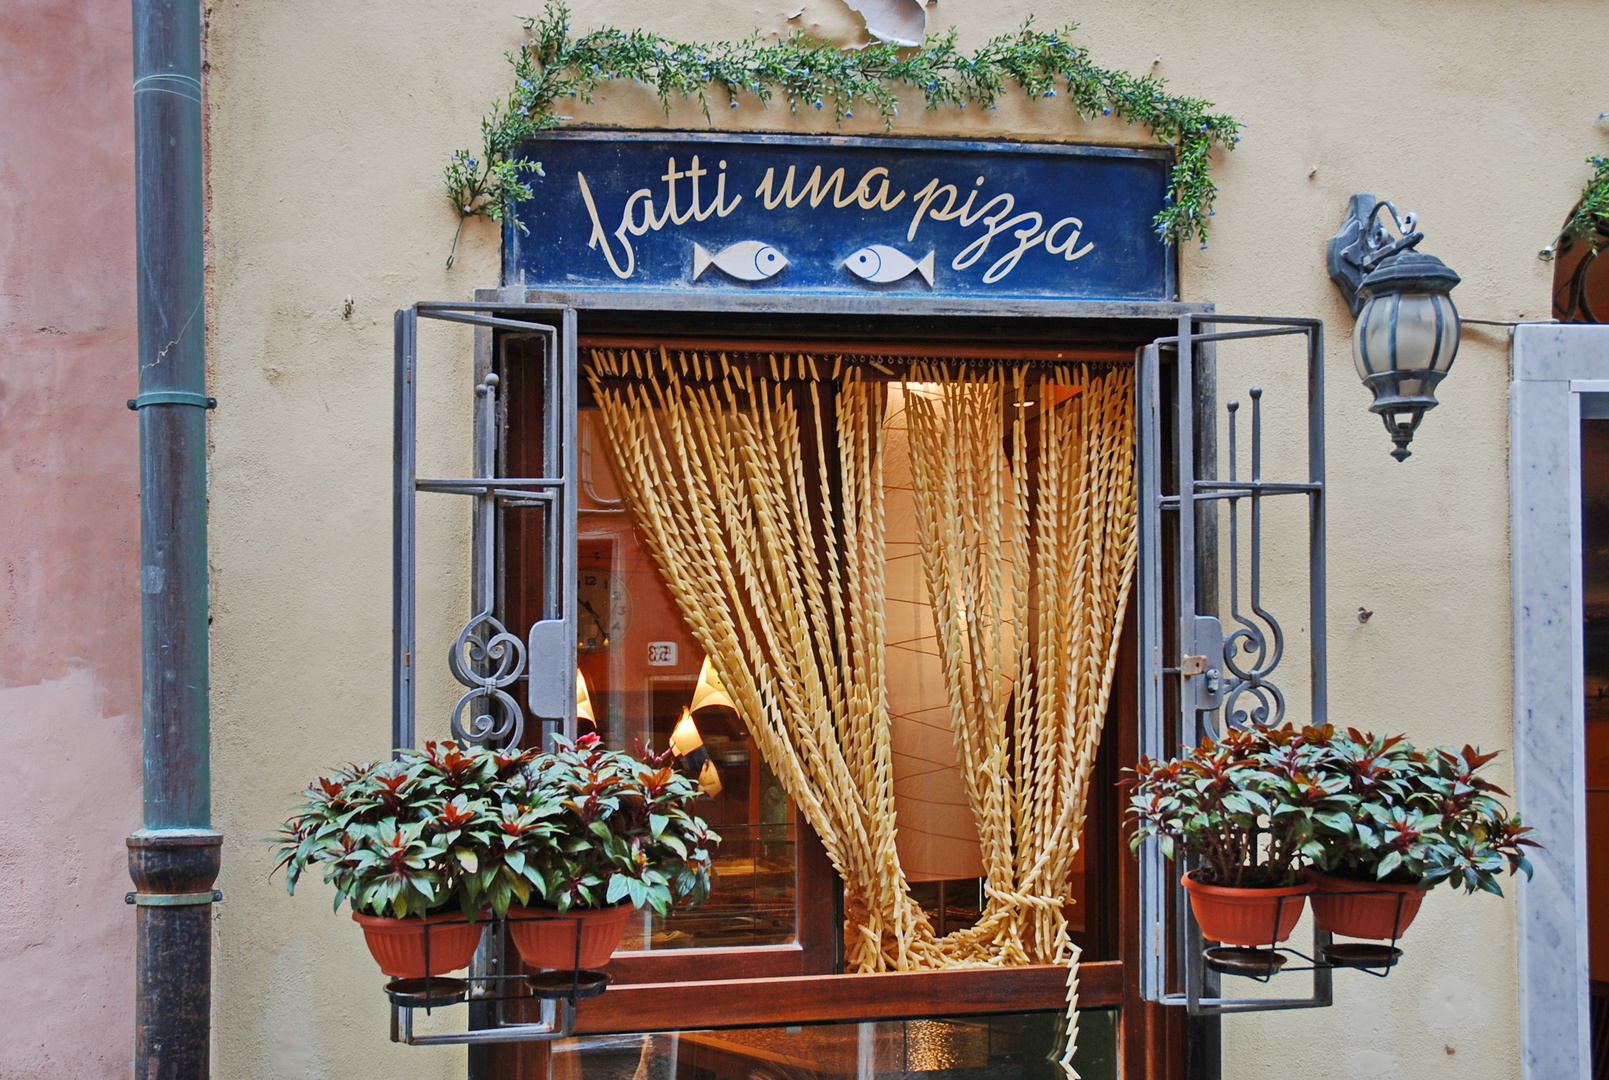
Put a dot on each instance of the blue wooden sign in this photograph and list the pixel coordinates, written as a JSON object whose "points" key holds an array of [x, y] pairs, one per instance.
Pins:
{"points": [[836, 216]]}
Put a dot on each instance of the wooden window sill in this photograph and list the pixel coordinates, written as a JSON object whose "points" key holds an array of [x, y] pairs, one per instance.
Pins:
{"points": [[812, 999]]}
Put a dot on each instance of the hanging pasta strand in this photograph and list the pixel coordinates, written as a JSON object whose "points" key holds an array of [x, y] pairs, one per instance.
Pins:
{"points": [[1065, 540]]}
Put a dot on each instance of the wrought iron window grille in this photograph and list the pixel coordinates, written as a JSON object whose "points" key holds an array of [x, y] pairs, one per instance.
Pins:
{"points": [[1194, 677], [486, 658]]}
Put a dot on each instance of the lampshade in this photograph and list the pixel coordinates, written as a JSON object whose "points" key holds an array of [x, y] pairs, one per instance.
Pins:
{"points": [[709, 690], [709, 781], [583, 700], [685, 739]]}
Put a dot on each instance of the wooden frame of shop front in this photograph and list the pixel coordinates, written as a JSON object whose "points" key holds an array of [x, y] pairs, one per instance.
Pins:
{"points": [[787, 985]]}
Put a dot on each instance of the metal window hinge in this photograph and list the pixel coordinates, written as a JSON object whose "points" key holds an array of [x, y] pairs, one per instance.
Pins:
{"points": [[186, 899]]}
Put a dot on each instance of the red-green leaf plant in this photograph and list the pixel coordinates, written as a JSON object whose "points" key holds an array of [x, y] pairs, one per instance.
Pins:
{"points": [[408, 836], [1420, 817], [448, 824], [1247, 805], [1264, 802], [626, 831]]}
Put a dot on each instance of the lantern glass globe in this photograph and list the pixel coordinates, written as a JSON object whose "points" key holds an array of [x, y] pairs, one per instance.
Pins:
{"points": [[1414, 335]]}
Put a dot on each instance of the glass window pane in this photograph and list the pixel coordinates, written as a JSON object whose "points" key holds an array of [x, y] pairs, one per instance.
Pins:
{"points": [[1023, 1046], [641, 667]]}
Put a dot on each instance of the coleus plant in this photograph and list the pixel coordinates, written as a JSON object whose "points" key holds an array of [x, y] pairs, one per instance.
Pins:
{"points": [[479, 828], [411, 835], [1264, 801]]}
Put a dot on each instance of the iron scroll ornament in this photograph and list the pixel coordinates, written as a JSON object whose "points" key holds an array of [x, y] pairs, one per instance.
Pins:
{"points": [[487, 659], [1250, 640]]}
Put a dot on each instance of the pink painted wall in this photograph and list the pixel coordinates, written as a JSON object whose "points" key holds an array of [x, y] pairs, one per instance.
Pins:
{"points": [[69, 539]]}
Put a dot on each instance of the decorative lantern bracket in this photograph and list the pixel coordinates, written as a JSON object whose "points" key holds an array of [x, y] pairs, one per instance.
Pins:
{"points": [[1363, 242], [1407, 325]]}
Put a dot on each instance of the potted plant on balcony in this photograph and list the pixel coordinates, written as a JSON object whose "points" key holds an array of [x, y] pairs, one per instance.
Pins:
{"points": [[1414, 820], [407, 843], [1246, 806], [623, 837]]}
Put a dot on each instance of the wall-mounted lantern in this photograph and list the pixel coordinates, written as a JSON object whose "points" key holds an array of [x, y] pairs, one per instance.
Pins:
{"points": [[1407, 331]]}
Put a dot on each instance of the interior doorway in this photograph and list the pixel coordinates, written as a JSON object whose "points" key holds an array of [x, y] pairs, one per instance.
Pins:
{"points": [[1595, 707]]}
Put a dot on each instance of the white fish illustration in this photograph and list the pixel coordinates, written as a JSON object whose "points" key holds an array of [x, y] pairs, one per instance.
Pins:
{"points": [[882, 264], [746, 260]]}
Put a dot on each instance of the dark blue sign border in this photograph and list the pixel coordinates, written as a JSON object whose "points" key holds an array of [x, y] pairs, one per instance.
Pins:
{"points": [[857, 217]]}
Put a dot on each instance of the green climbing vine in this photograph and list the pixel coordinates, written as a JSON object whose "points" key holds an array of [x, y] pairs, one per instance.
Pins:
{"points": [[551, 67], [1591, 217]]}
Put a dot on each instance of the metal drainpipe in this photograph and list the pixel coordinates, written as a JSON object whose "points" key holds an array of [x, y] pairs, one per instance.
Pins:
{"points": [[174, 858]]}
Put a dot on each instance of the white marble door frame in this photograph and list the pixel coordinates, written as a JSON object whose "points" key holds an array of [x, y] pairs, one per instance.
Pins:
{"points": [[1555, 366]]}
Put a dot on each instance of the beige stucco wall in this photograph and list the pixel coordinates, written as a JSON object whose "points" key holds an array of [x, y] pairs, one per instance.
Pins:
{"points": [[329, 126]]}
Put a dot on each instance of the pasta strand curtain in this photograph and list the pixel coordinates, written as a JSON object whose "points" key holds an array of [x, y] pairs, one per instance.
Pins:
{"points": [[777, 568], [1029, 560], [778, 571]]}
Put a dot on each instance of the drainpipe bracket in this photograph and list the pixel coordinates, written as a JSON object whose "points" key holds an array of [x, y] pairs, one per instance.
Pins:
{"points": [[140, 899], [172, 397]]}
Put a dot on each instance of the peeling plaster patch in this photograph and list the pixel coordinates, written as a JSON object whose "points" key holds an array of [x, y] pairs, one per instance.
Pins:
{"points": [[900, 22]]}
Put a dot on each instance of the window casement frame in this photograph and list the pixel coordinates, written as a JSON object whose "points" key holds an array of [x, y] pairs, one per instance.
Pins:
{"points": [[1152, 1040], [1190, 677]]}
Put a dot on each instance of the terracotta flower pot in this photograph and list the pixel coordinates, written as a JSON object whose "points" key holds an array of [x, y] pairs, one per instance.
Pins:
{"points": [[1342, 906], [1246, 916], [398, 945], [547, 939]]}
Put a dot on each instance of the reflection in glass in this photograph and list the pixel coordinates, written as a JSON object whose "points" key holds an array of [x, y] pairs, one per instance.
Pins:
{"points": [[1010, 1047], [648, 684]]}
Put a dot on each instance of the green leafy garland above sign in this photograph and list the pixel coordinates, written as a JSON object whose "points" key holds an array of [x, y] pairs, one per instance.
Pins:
{"points": [[1591, 217], [807, 72]]}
